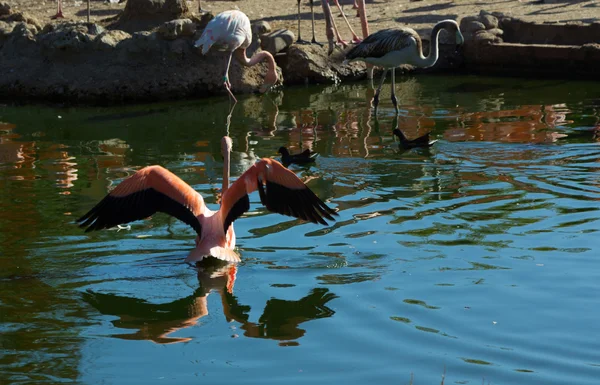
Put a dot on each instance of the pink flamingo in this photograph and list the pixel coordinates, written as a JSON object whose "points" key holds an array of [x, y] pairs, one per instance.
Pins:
{"points": [[230, 31], [153, 189], [333, 36]]}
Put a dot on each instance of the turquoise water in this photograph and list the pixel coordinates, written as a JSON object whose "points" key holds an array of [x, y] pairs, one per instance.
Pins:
{"points": [[475, 259]]}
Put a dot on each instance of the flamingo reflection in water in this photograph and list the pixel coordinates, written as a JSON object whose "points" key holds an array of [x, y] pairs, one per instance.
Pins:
{"points": [[280, 319], [155, 189]]}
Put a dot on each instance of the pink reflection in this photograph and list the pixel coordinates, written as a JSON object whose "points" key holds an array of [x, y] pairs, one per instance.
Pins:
{"points": [[57, 161], [526, 124], [16, 155]]}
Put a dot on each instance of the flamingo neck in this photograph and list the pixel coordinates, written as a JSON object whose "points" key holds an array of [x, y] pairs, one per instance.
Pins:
{"points": [[226, 161], [434, 52], [257, 58]]}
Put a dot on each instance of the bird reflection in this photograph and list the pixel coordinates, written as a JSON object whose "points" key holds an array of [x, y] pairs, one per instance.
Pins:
{"points": [[406, 143], [279, 321], [156, 322]]}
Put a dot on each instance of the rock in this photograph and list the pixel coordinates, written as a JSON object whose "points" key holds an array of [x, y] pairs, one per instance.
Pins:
{"points": [[486, 37], [473, 26], [20, 16], [25, 31], [145, 15], [309, 64], [141, 8], [6, 28], [95, 29], [66, 37], [277, 41], [171, 30], [202, 21], [495, 31], [466, 20], [260, 28], [489, 21], [4, 9], [108, 40]]}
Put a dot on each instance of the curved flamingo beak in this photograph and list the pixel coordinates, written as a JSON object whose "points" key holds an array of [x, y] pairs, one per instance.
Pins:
{"points": [[270, 80]]}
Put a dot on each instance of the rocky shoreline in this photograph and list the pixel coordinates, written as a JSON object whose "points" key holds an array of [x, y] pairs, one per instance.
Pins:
{"points": [[146, 54]]}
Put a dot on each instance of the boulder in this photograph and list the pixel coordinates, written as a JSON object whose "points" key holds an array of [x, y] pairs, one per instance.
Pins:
{"points": [[4, 9], [202, 21], [23, 31], [6, 29], [144, 8], [495, 31], [473, 26], [485, 37], [308, 64], [260, 28], [95, 29], [108, 40], [73, 37], [277, 41], [488, 21], [21, 16], [466, 20], [305, 64], [144, 15], [173, 29]]}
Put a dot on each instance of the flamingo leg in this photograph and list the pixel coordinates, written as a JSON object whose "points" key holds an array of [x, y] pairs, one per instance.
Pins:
{"points": [[300, 40], [375, 102], [330, 28], [394, 100], [312, 15], [355, 39], [340, 41], [59, 14], [362, 13], [226, 82]]}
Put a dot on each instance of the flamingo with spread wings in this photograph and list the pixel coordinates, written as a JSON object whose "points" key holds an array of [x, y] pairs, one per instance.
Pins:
{"points": [[156, 189]]}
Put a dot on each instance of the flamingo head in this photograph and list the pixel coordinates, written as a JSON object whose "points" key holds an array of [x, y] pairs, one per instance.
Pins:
{"points": [[226, 145], [271, 79]]}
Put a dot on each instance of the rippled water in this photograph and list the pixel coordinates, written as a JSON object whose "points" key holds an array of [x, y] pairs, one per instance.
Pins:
{"points": [[476, 258]]}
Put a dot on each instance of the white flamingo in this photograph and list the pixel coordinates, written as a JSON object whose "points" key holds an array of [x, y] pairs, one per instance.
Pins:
{"points": [[230, 31]]}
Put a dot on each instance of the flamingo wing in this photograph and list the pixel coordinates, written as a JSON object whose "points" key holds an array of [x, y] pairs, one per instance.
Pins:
{"points": [[280, 190], [384, 41], [150, 190]]}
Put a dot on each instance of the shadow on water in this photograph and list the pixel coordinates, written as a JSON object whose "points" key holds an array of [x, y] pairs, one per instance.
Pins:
{"points": [[279, 321]]}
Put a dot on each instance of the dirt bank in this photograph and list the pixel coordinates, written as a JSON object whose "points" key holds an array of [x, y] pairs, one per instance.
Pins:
{"points": [[116, 58], [420, 15]]}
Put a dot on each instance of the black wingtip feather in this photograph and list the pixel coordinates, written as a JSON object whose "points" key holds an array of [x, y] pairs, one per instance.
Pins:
{"points": [[299, 203], [112, 211]]}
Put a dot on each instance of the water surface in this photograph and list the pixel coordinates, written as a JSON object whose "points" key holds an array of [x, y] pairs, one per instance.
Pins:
{"points": [[477, 257]]}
